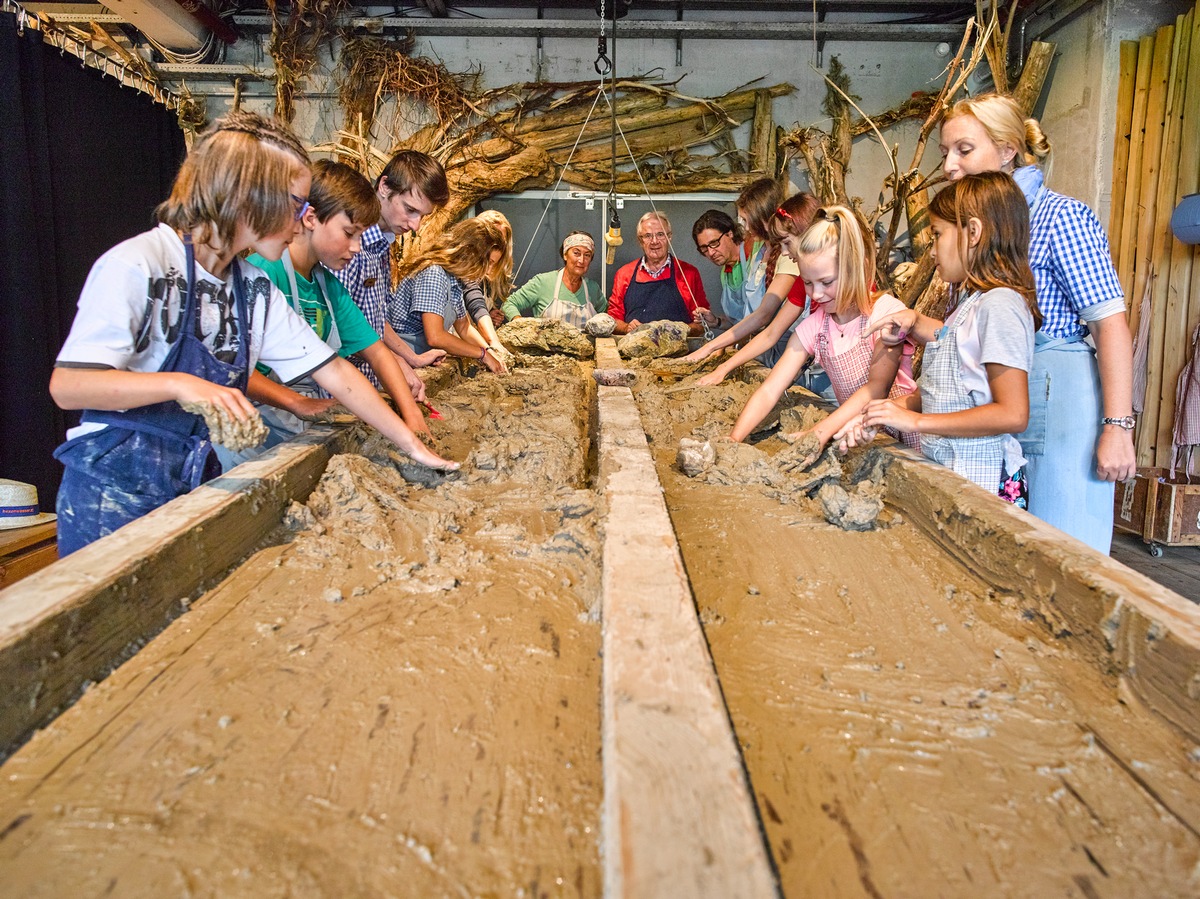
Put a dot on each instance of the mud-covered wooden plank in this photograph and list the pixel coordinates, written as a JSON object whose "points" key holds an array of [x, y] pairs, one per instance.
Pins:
{"points": [[1128, 626], [679, 819], [71, 623]]}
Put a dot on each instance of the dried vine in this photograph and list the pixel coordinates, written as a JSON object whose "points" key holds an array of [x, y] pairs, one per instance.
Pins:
{"points": [[296, 37]]}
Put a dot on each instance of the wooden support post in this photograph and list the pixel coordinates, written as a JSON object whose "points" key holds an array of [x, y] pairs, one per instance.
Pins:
{"points": [[1156, 108], [1185, 260], [679, 817], [1133, 185], [1037, 66], [1128, 77], [1173, 308]]}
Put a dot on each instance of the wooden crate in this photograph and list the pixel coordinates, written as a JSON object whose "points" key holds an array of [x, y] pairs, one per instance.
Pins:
{"points": [[26, 550], [1158, 508]]}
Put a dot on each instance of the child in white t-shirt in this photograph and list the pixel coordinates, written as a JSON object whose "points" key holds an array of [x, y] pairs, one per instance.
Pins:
{"points": [[836, 260], [172, 316]]}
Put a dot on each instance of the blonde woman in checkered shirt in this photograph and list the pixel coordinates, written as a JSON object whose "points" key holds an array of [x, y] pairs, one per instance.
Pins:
{"points": [[1080, 436]]}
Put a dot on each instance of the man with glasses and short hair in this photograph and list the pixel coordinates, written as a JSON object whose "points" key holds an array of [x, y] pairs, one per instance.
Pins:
{"points": [[658, 286]]}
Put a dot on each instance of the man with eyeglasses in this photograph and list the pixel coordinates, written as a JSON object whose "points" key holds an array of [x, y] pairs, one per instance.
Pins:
{"points": [[718, 238], [659, 286]]}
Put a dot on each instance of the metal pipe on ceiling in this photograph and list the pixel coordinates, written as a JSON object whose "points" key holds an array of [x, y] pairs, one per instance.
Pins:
{"points": [[642, 28]]}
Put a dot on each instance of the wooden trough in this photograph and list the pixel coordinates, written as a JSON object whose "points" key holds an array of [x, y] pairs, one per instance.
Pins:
{"points": [[680, 817]]}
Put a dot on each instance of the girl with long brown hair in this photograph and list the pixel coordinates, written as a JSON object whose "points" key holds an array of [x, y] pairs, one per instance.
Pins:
{"points": [[973, 392]]}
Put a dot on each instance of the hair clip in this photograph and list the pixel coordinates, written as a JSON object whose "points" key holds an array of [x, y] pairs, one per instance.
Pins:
{"points": [[783, 213]]}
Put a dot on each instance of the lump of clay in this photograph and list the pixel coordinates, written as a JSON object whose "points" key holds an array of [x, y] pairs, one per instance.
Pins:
{"points": [[232, 433], [855, 511], [615, 377], [542, 336], [600, 325], [653, 340], [695, 456], [803, 417]]}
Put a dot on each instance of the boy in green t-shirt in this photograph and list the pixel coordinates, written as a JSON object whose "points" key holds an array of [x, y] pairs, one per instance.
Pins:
{"points": [[342, 204]]}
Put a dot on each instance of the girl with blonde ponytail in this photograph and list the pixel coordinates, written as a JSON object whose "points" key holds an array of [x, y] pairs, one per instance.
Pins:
{"points": [[836, 257]]}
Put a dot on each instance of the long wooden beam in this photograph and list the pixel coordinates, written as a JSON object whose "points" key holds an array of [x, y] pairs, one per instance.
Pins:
{"points": [[1140, 633], [679, 817]]}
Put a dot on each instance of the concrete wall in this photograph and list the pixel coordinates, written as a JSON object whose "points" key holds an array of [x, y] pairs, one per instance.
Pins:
{"points": [[1078, 113]]}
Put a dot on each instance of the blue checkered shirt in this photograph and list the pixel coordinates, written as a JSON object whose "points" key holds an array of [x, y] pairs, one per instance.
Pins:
{"points": [[432, 289], [1069, 255], [368, 277]]}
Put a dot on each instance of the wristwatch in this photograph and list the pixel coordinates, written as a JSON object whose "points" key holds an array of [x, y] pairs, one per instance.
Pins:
{"points": [[1128, 422]]}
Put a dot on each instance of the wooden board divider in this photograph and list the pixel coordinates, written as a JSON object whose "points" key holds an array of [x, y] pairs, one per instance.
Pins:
{"points": [[679, 816], [1171, 312], [1164, 47], [1143, 635], [1124, 112]]}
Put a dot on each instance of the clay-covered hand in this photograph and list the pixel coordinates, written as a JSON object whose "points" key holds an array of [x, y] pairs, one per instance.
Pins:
{"points": [[427, 457], [887, 414], [309, 408], [429, 357], [497, 317], [192, 389], [1116, 459], [494, 363], [698, 355], [854, 433], [711, 379], [416, 385], [894, 329]]}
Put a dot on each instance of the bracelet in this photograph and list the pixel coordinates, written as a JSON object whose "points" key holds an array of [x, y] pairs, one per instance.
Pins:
{"points": [[483, 352]]}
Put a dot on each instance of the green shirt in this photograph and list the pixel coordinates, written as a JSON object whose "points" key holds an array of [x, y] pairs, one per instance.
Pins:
{"points": [[316, 308], [538, 292]]}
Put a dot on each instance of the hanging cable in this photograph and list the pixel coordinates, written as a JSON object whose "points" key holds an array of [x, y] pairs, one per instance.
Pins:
{"points": [[649, 198], [561, 174], [612, 237]]}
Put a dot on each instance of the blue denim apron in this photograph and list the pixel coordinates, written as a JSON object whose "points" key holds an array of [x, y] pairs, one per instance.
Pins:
{"points": [[147, 456], [1060, 441], [655, 301]]}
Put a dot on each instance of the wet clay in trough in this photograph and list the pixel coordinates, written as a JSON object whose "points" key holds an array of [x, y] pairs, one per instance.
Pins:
{"points": [[398, 697], [908, 729]]}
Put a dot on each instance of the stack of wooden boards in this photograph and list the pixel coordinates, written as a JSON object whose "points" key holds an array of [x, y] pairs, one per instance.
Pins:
{"points": [[1157, 163]]}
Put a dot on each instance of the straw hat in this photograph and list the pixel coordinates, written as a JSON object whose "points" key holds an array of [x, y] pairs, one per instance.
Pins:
{"points": [[19, 506]]}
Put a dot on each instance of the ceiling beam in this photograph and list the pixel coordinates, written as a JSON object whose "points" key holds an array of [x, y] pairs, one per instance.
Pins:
{"points": [[642, 28]]}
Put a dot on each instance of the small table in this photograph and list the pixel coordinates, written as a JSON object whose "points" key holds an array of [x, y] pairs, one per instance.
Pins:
{"points": [[26, 550]]}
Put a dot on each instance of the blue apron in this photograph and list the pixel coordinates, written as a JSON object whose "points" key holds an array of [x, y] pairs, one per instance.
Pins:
{"points": [[655, 301], [1065, 407], [147, 456]]}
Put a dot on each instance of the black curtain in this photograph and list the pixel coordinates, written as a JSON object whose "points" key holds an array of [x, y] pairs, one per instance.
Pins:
{"points": [[83, 163]]}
